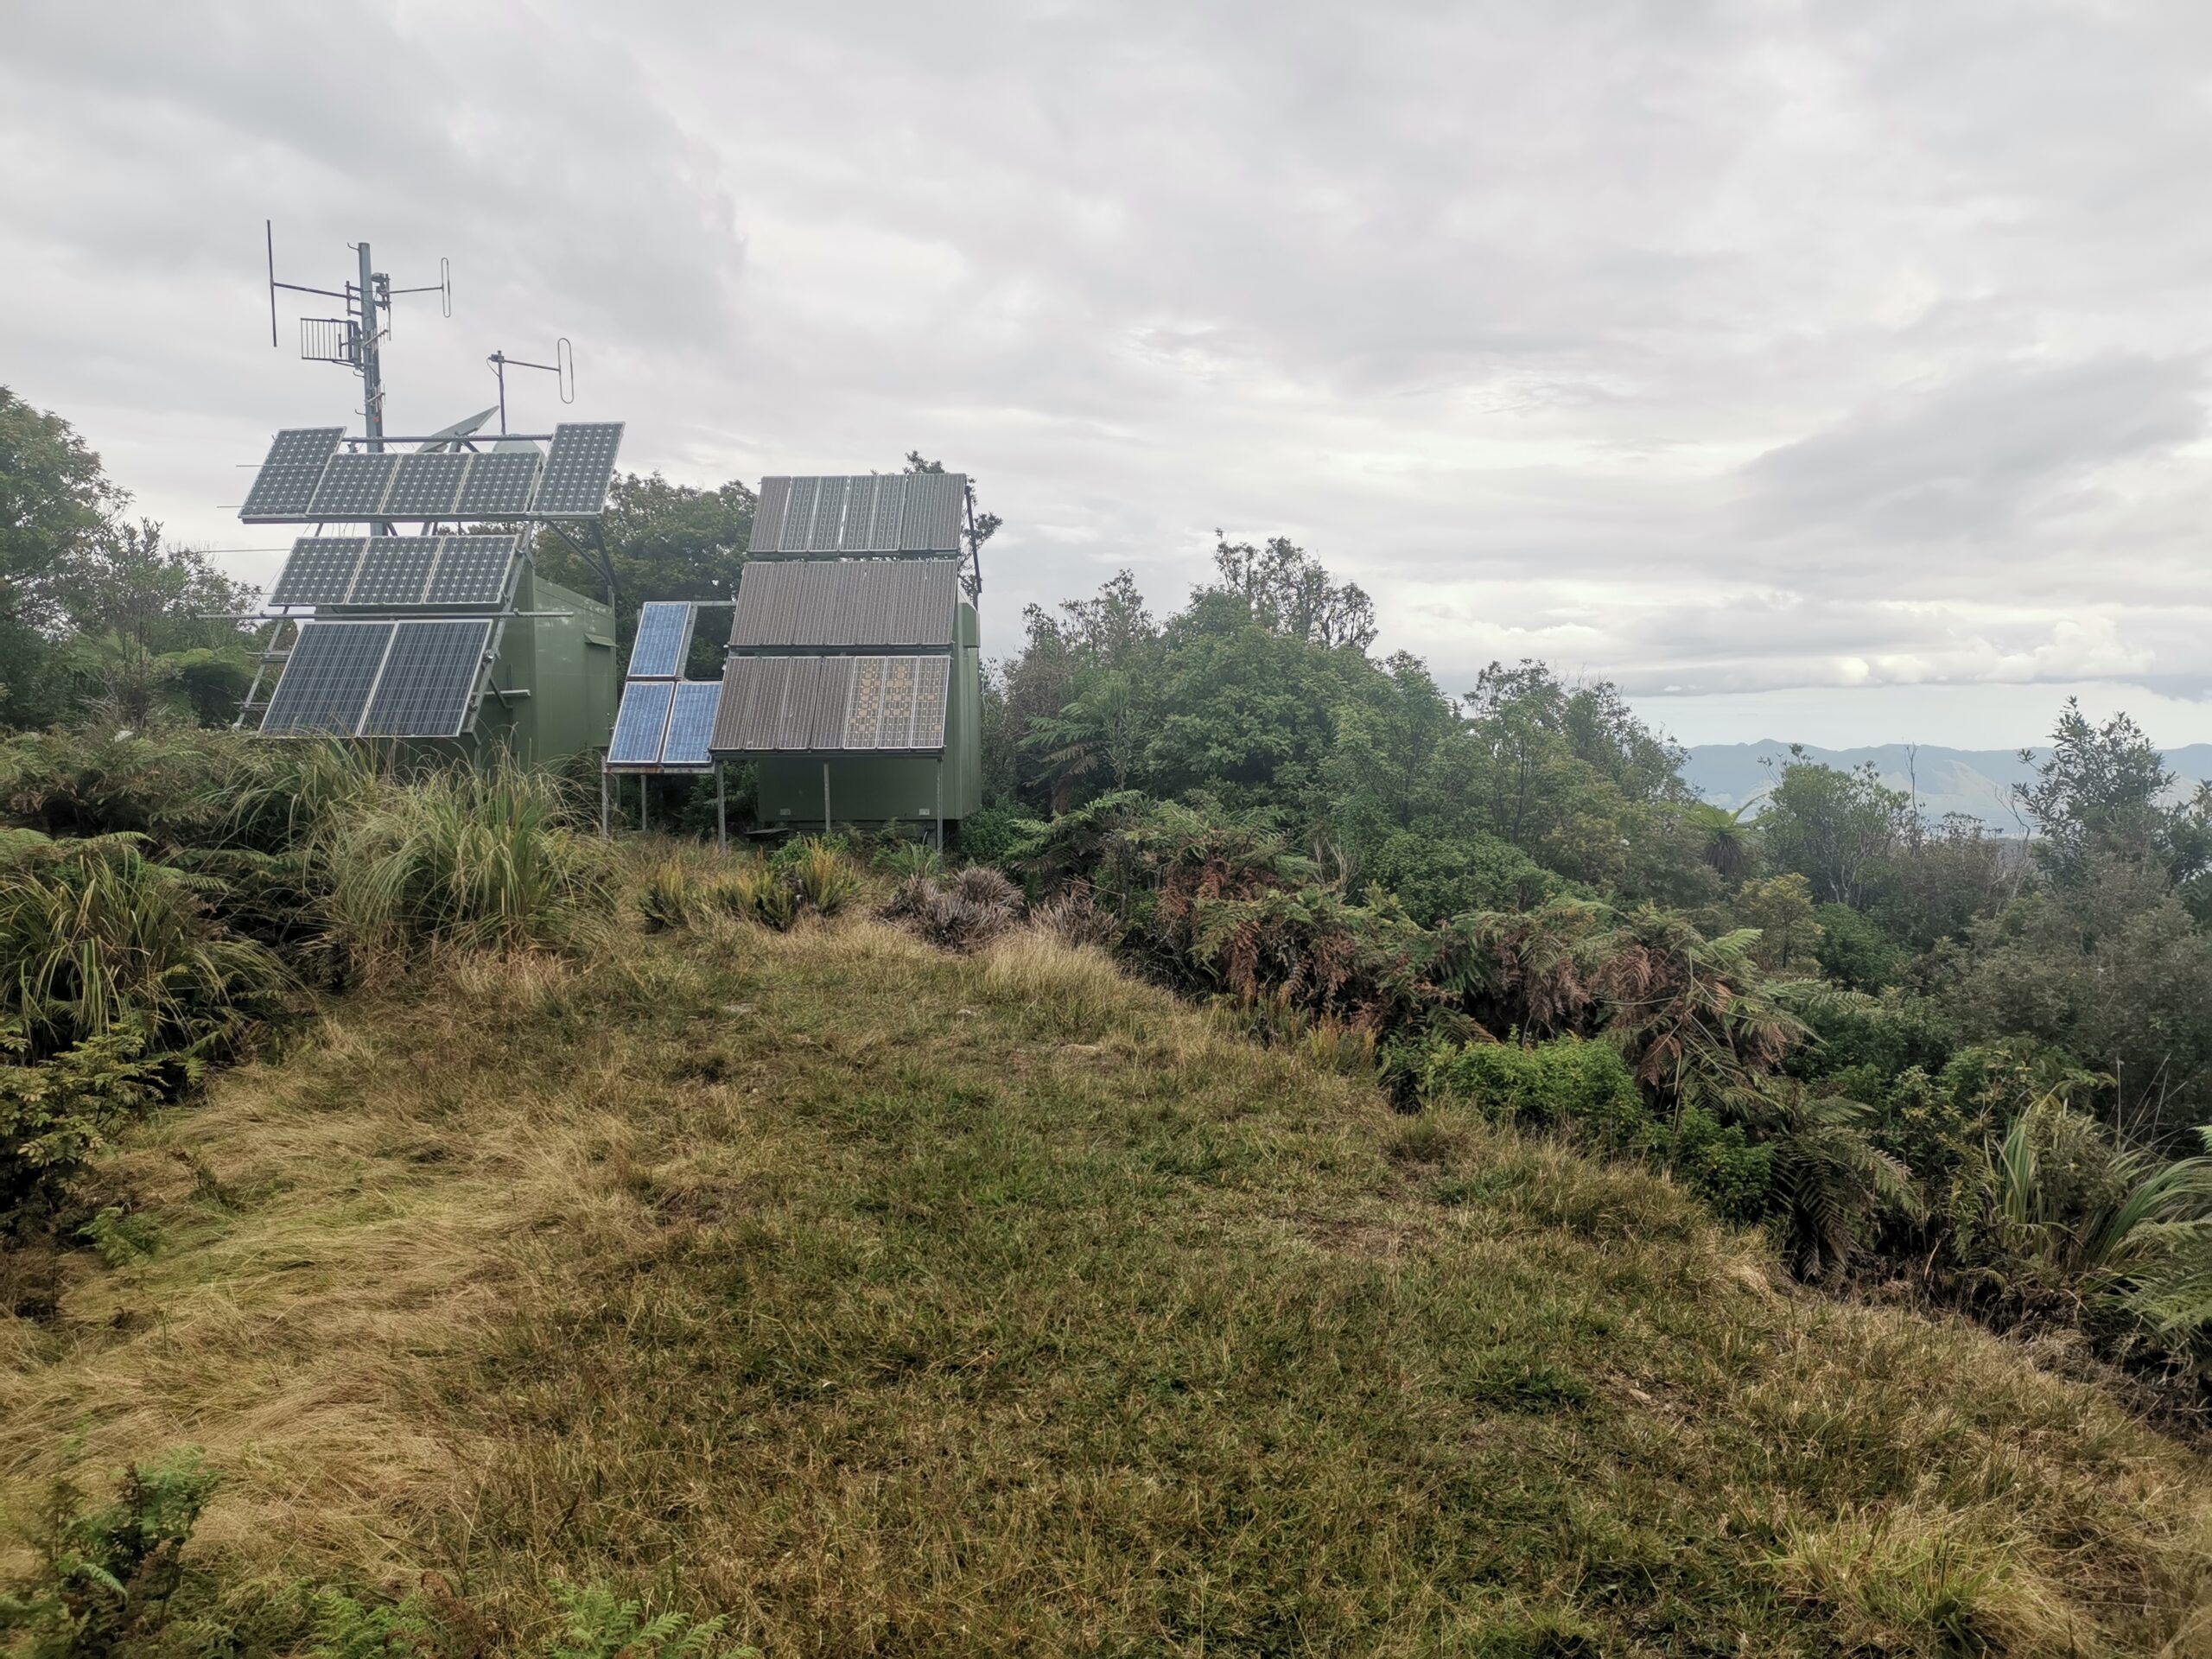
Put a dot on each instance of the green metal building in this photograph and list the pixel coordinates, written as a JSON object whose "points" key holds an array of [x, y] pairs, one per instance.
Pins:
{"points": [[854, 681]]}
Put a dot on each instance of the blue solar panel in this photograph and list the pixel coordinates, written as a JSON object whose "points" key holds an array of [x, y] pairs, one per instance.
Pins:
{"points": [[664, 636], [639, 722], [691, 724]]}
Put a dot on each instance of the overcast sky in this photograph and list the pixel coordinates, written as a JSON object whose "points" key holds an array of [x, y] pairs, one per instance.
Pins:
{"points": [[1822, 371]]}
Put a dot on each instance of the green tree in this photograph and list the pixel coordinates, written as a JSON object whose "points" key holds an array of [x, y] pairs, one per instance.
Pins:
{"points": [[2104, 792], [665, 541], [152, 633], [1288, 592], [55, 502], [1836, 828]]}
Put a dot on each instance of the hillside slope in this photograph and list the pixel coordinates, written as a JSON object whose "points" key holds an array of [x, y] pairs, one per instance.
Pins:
{"points": [[1977, 782], [894, 1302]]}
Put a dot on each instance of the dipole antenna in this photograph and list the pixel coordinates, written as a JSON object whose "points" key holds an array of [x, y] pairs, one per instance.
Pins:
{"points": [[562, 368]]}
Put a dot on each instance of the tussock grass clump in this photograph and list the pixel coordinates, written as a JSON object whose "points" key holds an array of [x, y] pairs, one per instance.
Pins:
{"points": [[468, 857], [94, 935], [958, 914]]}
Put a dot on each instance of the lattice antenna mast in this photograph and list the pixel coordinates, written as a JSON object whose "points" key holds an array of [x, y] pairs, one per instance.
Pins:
{"points": [[356, 338]]}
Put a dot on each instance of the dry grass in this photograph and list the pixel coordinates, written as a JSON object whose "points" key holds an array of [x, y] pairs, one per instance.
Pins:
{"points": [[894, 1301]]}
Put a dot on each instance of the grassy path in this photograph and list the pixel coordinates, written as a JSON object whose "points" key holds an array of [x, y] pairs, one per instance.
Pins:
{"points": [[891, 1302]]}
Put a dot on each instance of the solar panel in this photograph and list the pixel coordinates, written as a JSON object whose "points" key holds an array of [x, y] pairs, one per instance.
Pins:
{"points": [[300, 446], [427, 486], [320, 571], [281, 490], [932, 675], [664, 638], [860, 514], [798, 514], [691, 724], [890, 509], [845, 602], [499, 485], [768, 515], [639, 723], [933, 519], [428, 680], [473, 569], [393, 570], [578, 469], [352, 486], [829, 514], [327, 679]]}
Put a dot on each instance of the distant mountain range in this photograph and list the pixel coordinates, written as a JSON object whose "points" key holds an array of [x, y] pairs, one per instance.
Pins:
{"points": [[1976, 781]]}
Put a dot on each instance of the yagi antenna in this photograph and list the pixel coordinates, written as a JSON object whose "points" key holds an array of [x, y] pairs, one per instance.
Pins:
{"points": [[562, 368], [355, 338]]}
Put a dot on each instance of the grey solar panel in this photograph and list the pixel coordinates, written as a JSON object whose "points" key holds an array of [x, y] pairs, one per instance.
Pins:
{"points": [[578, 469], [427, 486], [768, 515], [327, 679], [354, 486], [931, 523], [394, 570], [281, 490], [320, 571], [473, 569], [691, 724], [640, 722], [846, 602], [860, 513], [664, 638], [499, 485], [932, 676], [429, 683], [890, 510], [798, 515], [829, 514]]}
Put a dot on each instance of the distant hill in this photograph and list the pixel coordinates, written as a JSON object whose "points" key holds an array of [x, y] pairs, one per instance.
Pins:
{"points": [[1976, 781]]}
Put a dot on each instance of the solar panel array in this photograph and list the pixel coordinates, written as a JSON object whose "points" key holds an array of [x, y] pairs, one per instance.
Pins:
{"points": [[379, 679], [665, 726], [869, 512], [846, 603], [664, 639], [397, 571], [306, 477], [827, 705]]}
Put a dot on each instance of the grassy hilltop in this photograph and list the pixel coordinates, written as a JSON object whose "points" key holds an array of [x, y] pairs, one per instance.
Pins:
{"points": [[889, 1300]]}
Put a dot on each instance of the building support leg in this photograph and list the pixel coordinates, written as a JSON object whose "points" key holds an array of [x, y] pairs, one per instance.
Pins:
{"points": [[825, 797], [722, 810], [602, 806], [940, 806]]}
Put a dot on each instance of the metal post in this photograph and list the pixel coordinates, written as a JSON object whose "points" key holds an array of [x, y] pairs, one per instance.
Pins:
{"points": [[825, 797], [372, 372], [603, 806], [940, 805], [722, 810]]}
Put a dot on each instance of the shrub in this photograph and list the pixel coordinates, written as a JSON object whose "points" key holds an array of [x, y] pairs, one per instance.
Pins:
{"points": [[97, 936], [103, 1578], [959, 914], [1586, 1090], [904, 859], [1435, 876], [665, 899], [995, 834], [823, 875], [56, 1116], [486, 858], [757, 892]]}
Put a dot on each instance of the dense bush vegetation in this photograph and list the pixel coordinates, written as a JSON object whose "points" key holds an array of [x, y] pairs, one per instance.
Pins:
{"points": [[1920, 1054]]}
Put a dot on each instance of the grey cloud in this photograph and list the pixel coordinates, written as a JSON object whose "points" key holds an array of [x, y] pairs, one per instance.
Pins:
{"points": [[1747, 343]]}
